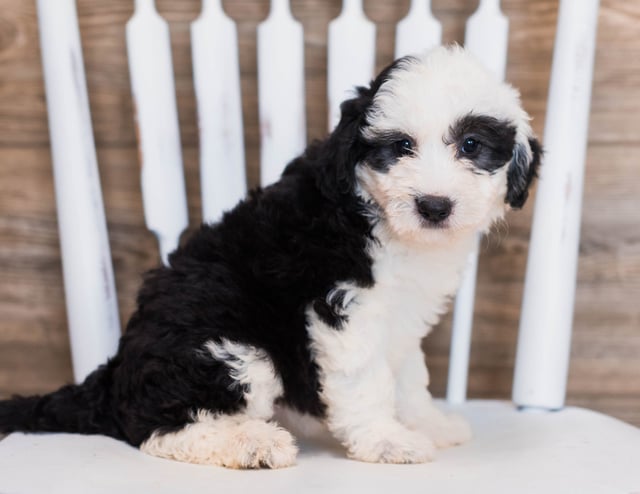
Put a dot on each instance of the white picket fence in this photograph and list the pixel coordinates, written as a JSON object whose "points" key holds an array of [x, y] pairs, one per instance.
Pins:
{"points": [[543, 349]]}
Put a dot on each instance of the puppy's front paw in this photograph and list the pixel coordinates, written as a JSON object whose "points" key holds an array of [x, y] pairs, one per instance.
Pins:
{"points": [[399, 445], [448, 430]]}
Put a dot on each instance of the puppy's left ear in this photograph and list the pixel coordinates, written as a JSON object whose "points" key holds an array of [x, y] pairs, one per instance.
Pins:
{"points": [[523, 168]]}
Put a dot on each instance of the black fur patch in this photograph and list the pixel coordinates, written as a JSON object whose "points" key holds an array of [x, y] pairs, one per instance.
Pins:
{"points": [[346, 147], [384, 150], [521, 173], [496, 140]]}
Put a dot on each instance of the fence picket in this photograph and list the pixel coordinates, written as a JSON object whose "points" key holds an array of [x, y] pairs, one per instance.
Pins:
{"points": [[90, 295], [283, 128], [486, 38], [216, 78], [162, 177], [351, 56], [418, 31]]}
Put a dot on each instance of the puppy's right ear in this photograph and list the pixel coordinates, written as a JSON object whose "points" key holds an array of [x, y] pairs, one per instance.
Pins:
{"points": [[345, 147]]}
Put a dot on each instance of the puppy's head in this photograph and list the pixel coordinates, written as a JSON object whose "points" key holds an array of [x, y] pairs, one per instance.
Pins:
{"points": [[439, 145]]}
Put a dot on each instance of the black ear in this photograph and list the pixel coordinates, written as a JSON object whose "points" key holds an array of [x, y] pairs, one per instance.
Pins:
{"points": [[346, 136], [521, 172], [344, 146], [339, 177]]}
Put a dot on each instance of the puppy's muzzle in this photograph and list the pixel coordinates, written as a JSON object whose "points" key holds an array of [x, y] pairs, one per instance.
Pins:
{"points": [[434, 209]]}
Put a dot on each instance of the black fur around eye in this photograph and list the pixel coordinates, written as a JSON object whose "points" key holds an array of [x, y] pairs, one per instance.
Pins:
{"points": [[403, 147], [470, 146]]}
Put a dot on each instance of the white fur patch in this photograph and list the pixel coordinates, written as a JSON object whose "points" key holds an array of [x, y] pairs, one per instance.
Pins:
{"points": [[230, 441], [252, 367], [361, 363]]}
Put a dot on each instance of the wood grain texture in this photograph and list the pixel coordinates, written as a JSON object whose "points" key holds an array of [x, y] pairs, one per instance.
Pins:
{"points": [[34, 347]]}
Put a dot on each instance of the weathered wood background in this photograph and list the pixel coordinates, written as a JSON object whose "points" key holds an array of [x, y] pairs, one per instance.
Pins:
{"points": [[34, 347]]}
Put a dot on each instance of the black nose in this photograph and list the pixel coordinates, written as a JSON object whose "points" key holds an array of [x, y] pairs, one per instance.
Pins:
{"points": [[434, 208]]}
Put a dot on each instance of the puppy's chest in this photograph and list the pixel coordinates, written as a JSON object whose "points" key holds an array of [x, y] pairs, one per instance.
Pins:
{"points": [[410, 292]]}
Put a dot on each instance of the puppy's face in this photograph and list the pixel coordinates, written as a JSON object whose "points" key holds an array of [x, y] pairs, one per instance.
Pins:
{"points": [[443, 148]]}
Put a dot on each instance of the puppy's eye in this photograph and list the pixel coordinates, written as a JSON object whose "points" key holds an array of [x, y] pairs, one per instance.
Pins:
{"points": [[403, 147], [469, 146]]}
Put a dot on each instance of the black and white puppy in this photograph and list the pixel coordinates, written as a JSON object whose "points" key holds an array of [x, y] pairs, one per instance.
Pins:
{"points": [[314, 293]]}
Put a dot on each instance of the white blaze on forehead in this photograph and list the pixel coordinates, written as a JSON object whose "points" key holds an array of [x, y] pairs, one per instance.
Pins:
{"points": [[425, 95]]}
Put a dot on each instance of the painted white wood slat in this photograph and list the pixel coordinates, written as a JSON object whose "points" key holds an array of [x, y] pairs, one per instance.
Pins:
{"points": [[487, 38], [92, 310], [544, 341], [281, 91], [351, 56], [418, 31], [216, 77], [162, 177]]}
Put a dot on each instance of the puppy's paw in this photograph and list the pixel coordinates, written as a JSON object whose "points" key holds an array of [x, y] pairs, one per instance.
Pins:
{"points": [[397, 446], [259, 444], [448, 430], [228, 441]]}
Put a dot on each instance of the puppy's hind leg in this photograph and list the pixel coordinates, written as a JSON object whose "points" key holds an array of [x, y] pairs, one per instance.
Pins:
{"points": [[233, 441], [245, 439]]}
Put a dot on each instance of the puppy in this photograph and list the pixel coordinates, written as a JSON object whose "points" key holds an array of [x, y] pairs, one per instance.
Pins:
{"points": [[316, 292]]}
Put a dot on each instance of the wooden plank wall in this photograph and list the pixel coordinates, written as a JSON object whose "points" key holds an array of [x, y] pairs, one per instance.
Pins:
{"points": [[34, 349]]}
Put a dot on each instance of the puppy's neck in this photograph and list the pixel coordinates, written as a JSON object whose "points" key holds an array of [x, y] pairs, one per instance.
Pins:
{"points": [[454, 245]]}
